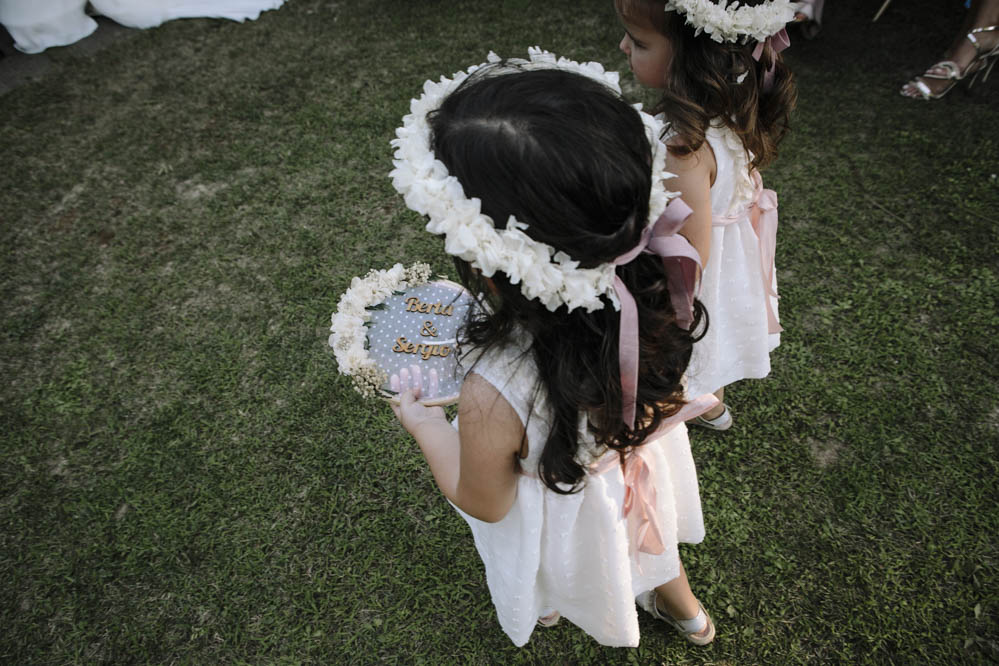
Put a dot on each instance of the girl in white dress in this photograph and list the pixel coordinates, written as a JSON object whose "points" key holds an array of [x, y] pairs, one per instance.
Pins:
{"points": [[570, 461], [727, 96]]}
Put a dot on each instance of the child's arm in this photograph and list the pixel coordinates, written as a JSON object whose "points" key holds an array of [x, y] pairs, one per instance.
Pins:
{"points": [[477, 469], [695, 173]]}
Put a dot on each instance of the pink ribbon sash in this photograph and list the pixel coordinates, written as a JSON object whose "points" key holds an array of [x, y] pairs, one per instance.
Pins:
{"points": [[644, 533], [639, 506], [762, 212], [763, 217]]}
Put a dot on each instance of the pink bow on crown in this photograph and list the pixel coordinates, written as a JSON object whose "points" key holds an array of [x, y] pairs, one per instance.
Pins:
{"points": [[682, 266], [776, 42]]}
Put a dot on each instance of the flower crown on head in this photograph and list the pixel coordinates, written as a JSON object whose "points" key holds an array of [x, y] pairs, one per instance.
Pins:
{"points": [[542, 272], [725, 22]]}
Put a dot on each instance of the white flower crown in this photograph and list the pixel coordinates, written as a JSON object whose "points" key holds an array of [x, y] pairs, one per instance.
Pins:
{"points": [[546, 274], [725, 22]]}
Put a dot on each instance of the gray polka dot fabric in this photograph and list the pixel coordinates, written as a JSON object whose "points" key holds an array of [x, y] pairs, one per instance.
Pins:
{"points": [[412, 337]]}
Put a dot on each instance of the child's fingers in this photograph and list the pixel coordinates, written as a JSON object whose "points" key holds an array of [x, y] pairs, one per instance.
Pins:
{"points": [[409, 411], [409, 406], [409, 396]]}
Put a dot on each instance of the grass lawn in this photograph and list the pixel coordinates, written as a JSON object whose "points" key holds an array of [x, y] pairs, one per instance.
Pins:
{"points": [[185, 478]]}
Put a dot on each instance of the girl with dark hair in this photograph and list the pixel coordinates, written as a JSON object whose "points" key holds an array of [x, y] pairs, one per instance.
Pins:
{"points": [[727, 96], [570, 461]]}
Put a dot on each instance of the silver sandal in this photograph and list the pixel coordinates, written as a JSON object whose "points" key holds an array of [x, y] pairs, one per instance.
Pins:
{"points": [[721, 422], [699, 630], [982, 63]]}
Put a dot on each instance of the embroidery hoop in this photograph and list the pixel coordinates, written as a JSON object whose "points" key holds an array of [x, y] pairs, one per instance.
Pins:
{"points": [[360, 310]]}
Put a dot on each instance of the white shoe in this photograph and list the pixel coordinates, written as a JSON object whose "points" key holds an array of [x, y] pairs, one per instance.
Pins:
{"points": [[549, 620], [721, 422]]}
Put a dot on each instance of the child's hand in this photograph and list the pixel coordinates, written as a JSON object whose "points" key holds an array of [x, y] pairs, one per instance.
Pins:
{"points": [[412, 414]]}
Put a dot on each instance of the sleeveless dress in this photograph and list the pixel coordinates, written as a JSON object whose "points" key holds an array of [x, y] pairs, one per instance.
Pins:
{"points": [[739, 283], [572, 553]]}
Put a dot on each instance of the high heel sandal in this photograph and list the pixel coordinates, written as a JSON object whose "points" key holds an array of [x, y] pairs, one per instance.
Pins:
{"points": [[988, 59], [952, 71]]}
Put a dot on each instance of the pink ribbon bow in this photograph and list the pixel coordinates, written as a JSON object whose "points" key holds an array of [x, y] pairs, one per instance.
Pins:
{"points": [[682, 265], [644, 534], [640, 507], [763, 217], [776, 42]]}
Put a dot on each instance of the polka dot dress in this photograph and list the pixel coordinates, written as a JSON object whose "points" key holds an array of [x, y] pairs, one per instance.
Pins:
{"points": [[570, 553]]}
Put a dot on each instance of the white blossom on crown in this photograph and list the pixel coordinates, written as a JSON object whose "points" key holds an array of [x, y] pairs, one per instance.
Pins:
{"points": [[542, 273], [730, 22]]}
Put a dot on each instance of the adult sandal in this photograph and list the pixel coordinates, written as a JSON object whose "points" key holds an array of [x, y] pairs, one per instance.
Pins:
{"points": [[721, 422], [988, 60], [950, 71], [699, 630]]}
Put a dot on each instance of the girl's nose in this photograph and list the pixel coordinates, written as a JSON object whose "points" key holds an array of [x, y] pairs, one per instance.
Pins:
{"points": [[624, 44]]}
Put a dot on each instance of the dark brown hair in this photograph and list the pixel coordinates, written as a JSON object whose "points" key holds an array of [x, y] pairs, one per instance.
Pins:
{"points": [[703, 85], [569, 158]]}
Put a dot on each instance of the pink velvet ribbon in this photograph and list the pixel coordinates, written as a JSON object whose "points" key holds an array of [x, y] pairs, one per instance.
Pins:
{"points": [[639, 508], [763, 217], [682, 267], [762, 211], [776, 42]]}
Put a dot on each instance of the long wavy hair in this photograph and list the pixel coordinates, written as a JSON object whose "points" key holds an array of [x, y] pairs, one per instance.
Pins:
{"points": [[569, 158], [703, 85]]}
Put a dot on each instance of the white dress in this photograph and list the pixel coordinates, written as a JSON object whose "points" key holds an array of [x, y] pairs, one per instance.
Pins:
{"points": [[740, 333], [570, 553]]}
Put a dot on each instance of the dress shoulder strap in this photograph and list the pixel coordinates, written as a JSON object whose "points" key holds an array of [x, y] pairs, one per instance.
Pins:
{"points": [[510, 370]]}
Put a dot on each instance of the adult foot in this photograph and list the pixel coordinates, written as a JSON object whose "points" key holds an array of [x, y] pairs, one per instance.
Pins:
{"points": [[971, 54]]}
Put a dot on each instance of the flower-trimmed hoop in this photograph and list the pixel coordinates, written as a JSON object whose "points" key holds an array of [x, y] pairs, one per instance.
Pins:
{"points": [[395, 329]]}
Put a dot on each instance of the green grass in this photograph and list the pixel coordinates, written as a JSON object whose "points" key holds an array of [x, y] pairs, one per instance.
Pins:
{"points": [[184, 478]]}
